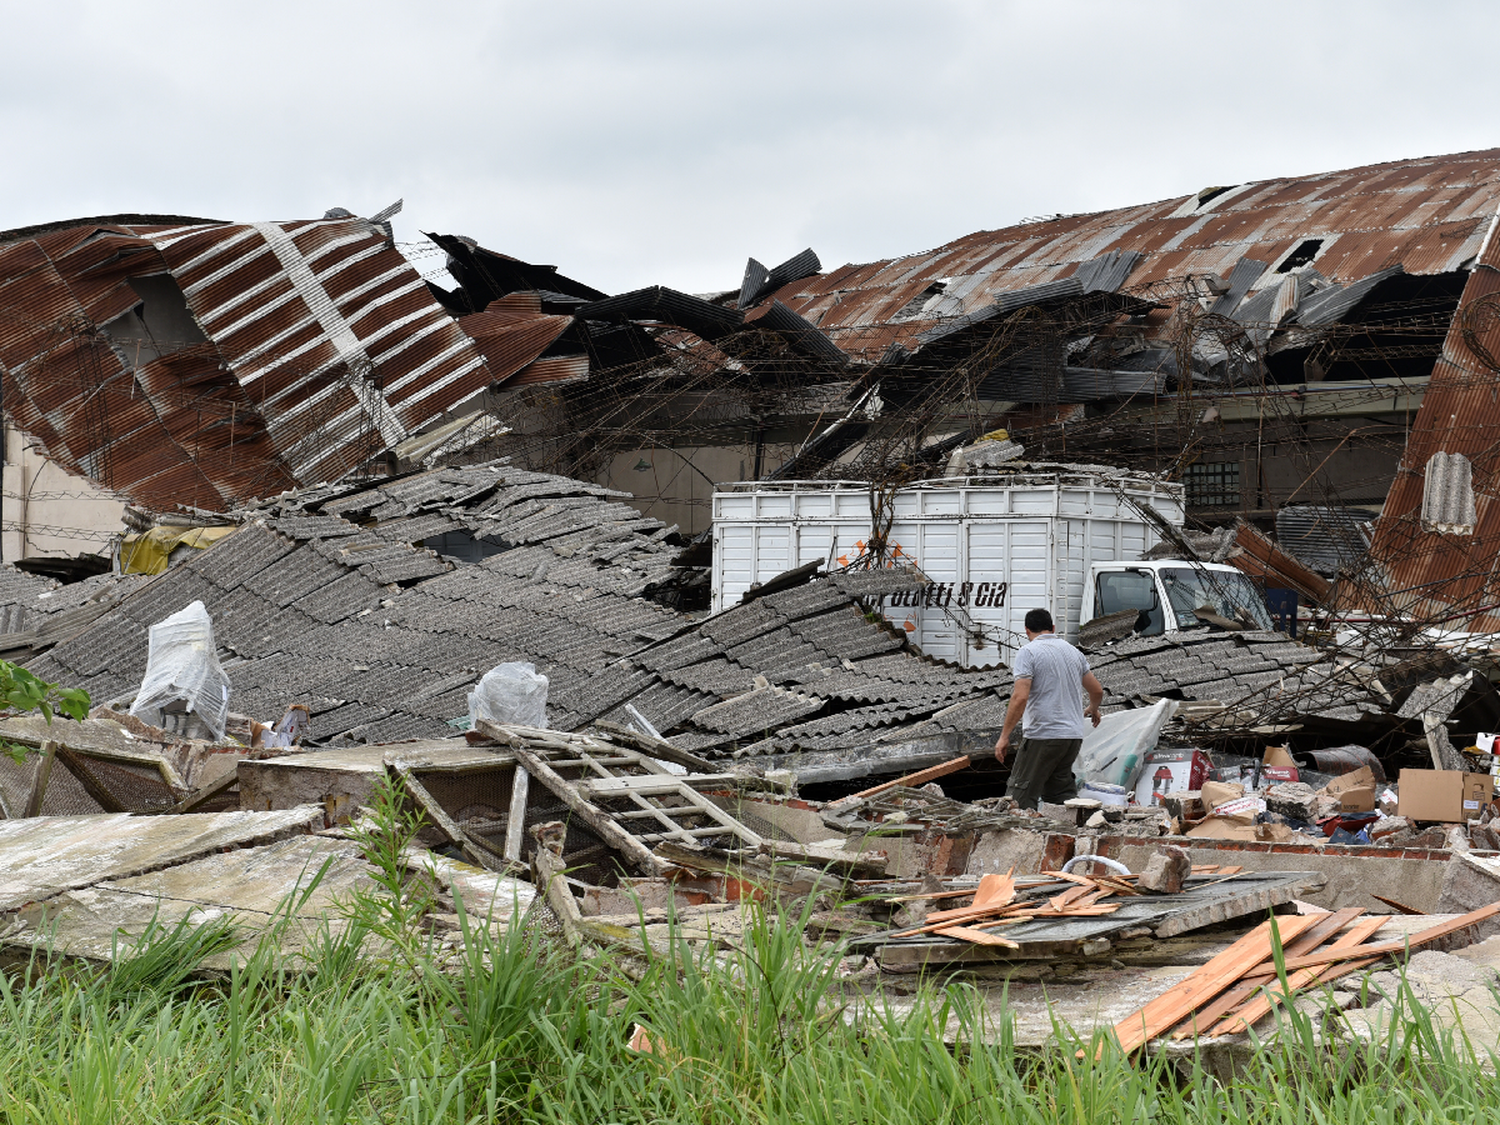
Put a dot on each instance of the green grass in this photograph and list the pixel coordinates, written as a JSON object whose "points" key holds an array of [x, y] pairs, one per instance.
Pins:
{"points": [[516, 1031], [374, 1023]]}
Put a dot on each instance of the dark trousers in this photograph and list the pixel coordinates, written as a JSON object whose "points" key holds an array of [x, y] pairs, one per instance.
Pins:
{"points": [[1043, 770]]}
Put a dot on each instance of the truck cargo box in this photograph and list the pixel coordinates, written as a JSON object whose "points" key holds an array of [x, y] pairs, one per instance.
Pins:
{"points": [[993, 547]]}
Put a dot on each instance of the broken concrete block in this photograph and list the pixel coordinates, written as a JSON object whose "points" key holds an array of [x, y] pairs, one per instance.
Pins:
{"points": [[1458, 841], [1484, 837], [1470, 882], [1434, 837], [1388, 826], [1293, 800], [1060, 813], [1096, 821], [1166, 870]]}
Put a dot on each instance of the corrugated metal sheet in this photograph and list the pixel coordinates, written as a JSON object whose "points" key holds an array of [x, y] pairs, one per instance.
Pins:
{"points": [[1324, 538], [323, 348], [1445, 573], [1426, 216]]}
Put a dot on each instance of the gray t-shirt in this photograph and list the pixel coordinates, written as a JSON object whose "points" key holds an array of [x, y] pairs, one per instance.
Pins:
{"points": [[1054, 709]]}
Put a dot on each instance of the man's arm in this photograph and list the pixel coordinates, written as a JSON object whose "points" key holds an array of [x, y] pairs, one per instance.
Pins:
{"points": [[1019, 692], [1095, 689]]}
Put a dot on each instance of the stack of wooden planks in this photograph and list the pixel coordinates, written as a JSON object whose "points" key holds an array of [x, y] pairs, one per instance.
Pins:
{"points": [[995, 903], [1242, 984]]}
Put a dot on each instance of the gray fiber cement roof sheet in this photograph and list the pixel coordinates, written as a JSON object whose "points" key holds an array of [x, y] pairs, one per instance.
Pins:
{"points": [[299, 573], [41, 856], [245, 553], [720, 677], [757, 712], [314, 527], [805, 601], [342, 598], [348, 717]]}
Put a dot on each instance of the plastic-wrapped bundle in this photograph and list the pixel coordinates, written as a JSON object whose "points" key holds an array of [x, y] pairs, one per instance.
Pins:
{"points": [[184, 690], [1115, 751], [510, 693]]}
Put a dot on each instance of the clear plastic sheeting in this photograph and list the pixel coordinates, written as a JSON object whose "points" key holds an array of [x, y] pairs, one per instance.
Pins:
{"points": [[1114, 751], [510, 693], [185, 690]]}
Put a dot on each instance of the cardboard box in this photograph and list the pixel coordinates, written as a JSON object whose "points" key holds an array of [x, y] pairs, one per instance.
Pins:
{"points": [[1443, 795], [1357, 800], [1362, 778], [1170, 771], [1241, 808], [1277, 764], [1215, 793]]}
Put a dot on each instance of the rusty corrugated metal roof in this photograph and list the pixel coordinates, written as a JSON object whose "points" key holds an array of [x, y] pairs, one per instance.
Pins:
{"points": [[1430, 573], [320, 347], [1426, 215]]}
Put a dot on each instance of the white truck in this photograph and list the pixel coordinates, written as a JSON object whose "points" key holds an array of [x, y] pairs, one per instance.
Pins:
{"points": [[1063, 537]]}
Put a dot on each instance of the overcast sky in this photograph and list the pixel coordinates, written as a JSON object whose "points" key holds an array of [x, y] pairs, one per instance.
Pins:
{"points": [[662, 143]]}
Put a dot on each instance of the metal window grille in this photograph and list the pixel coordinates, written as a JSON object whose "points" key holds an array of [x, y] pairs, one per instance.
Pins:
{"points": [[1213, 484]]}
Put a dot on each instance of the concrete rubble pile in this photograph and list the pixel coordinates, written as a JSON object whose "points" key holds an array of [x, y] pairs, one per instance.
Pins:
{"points": [[623, 840], [794, 748]]}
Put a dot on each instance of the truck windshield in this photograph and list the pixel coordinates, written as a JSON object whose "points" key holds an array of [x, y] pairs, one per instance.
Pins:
{"points": [[1120, 590], [1229, 594]]}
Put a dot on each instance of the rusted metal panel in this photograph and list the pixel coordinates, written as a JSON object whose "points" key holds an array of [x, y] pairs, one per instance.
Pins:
{"points": [[1425, 215], [1441, 575], [552, 369], [510, 338], [317, 330]]}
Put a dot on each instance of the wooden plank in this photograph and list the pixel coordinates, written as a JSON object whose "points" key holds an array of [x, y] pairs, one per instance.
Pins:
{"points": [[853, 863], [480, 857], [977, 937], [635, 852], [1399, 908], [1171, 1007], [910, 781], [654, 747], [40, 778], [1261, 1005], [205, 793], [1326, 927], [652, 785], [515, 821], [1058, 902], [746, 835], [1412, 941], [548, 874]]}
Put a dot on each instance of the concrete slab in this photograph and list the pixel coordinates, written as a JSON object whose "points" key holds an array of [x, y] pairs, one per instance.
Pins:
{"points": [[46, 855], [249, 884], [345, 777], [499, 899], [1410, 876]]}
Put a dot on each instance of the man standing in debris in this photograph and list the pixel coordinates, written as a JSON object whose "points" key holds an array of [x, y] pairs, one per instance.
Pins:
{"points": [[1051, 677]]}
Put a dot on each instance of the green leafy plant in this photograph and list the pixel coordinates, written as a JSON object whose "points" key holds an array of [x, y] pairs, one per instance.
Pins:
{"points": [[21, 691]]}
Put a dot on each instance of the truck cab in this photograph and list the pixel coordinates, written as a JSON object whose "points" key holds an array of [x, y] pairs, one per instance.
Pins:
{"points": [[1166, 595]]}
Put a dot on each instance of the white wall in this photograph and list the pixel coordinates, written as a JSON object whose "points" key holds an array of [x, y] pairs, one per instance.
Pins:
{"points": [[47, 512]]}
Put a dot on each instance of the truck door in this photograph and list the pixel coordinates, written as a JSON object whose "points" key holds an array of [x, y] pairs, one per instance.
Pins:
{"points": [[1119, 590]]}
